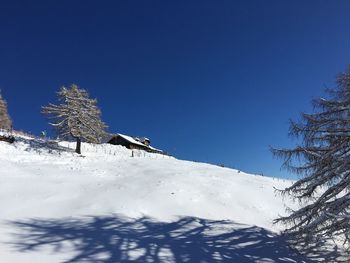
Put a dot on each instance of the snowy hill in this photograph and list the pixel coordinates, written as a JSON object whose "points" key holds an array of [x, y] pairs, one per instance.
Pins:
{"points": [[110, 207]]}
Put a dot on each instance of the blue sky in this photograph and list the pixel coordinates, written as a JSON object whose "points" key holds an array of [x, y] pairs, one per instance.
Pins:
{"points": [[212, 81]]}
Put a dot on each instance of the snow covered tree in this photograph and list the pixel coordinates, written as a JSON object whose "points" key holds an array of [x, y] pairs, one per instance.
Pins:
{"points": [[322, 159], [5, 120], [77, 116]]}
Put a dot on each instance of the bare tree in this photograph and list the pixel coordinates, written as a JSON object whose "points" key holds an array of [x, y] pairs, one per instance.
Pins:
{"points": [[5, 120], [77, 116], [323, 161]]}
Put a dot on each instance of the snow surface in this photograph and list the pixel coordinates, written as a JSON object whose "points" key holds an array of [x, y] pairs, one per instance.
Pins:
{"points": [[107, 206]]}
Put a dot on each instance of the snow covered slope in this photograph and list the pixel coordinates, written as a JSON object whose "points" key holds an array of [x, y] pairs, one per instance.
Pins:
{"points": [[110, 207]]}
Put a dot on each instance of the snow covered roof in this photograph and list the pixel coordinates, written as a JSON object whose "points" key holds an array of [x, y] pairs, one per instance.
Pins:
{"points": [[131, 139], [154, 149]]}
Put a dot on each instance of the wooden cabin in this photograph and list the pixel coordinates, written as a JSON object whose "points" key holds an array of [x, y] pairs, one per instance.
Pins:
{"points": [[7, 138], [133, 143]]}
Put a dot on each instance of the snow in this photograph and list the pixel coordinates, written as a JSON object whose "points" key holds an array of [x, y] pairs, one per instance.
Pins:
{"points": [[107, 206]]}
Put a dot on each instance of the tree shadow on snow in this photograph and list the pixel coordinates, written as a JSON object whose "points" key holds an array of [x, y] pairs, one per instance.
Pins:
{"points": [[43, 145], [119, 239]]}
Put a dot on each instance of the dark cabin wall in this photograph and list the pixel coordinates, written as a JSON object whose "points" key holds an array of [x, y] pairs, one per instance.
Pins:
{"points": [[138, 147], [117, 140]]}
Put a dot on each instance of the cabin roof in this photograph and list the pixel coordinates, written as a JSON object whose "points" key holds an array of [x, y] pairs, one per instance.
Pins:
{"points": [[154, 149], [130, 139], [136, 142]]}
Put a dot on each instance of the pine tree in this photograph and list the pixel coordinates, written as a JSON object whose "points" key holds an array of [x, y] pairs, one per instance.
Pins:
{"points": [[322, 159], [77, 116], [5, 120]]}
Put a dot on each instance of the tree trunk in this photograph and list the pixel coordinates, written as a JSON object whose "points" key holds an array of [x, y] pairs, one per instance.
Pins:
{"points": [[78, 147]]}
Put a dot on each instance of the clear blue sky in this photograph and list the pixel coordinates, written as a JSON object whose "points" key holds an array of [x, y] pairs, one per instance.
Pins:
{"points": [[212, 81]]}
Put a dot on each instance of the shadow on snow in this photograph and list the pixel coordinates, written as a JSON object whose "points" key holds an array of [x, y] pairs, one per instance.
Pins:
{"points": [[120, 239], [43, 145]]}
